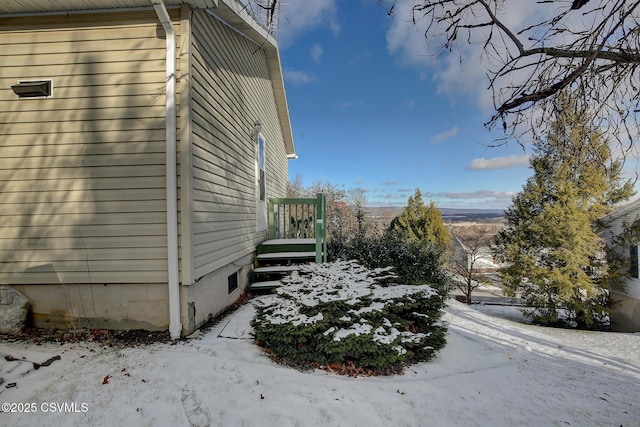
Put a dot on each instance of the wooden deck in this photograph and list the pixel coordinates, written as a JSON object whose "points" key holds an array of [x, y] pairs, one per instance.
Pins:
{"points": [[297, 234]]}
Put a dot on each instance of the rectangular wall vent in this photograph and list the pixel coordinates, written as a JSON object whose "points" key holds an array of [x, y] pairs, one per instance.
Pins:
{"points": [[33, 88]]}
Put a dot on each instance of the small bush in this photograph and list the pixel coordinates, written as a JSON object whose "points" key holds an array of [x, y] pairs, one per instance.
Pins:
{"points": [[343, 313], [414, 262]]}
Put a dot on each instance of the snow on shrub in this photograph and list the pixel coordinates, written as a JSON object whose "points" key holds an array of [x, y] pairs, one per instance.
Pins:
{"points": [[343, 313]]}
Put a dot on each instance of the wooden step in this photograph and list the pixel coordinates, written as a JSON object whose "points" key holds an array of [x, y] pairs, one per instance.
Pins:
{"points": [[286, 255], [265, 286], [289, 242], [276, 269], [287, 245]]}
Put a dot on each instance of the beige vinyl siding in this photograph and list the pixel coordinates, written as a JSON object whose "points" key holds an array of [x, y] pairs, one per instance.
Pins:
{"points": [[82, 174], [231, 89]]}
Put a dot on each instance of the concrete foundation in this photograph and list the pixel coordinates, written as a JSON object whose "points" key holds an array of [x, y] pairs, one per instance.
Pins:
{"points": [[210, 295], [135, 306], [109, 306]]}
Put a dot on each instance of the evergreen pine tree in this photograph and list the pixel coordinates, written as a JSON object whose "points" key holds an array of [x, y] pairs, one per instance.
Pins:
{"points": [[551, 248], [418, 222]]}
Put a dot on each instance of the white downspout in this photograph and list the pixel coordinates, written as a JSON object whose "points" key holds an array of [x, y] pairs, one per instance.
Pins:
{"points": [[175, 328]]}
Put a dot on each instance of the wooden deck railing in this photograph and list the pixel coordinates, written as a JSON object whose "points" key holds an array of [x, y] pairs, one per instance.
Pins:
{"points": [[301, 218]]}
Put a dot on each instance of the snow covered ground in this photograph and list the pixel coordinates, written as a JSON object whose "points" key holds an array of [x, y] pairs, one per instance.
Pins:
{"points": [[493, 372]]}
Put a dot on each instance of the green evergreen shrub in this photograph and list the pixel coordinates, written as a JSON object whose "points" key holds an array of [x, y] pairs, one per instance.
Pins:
{"points": [[346, 314], [413, 262]]}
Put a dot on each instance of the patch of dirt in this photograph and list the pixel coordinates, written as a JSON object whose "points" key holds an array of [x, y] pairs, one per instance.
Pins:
{"points": [[107, 337]]}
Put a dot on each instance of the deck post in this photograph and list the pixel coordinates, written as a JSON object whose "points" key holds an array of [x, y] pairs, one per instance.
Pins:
{"points": [[271, 221], [320, 231], [319, 226]]}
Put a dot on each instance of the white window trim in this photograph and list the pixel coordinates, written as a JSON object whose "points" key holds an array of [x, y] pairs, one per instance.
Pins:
{"points": [[261, 208]]}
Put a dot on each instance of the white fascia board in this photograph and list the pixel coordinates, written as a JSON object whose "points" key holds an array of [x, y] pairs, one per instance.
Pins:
{"points": [[13, 7], [622, 211]]}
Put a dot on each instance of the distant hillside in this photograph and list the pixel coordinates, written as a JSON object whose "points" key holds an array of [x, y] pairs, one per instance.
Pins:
{"points": [[448, 214], [458, 215]]}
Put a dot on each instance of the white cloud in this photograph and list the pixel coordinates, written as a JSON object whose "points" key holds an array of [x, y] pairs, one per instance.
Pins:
{"points": [[298, 78], [443, 136], [498, 162], [316, 53], [348, 105], [454, 77], [299, 17]]}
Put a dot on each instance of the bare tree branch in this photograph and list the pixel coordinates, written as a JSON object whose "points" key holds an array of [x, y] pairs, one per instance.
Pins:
{"points": [[591, 48]]}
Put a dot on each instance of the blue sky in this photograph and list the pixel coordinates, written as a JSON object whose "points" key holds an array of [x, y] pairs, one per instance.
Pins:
{"points": [[371, 108]]}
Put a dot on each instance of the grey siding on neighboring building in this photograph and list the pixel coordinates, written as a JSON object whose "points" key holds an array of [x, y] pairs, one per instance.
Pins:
{"points": [[613, 225], [82, 174], [231, 88]]}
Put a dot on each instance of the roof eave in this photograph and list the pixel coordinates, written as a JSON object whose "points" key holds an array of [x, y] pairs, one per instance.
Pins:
{"points": [[31, 7], [621, 211]]}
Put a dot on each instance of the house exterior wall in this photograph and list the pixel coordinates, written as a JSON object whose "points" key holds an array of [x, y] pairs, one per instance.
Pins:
{"points": [[230, 89], [626, 316], [614, 226], [82, 178], [210, 295], [82, 175]]}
